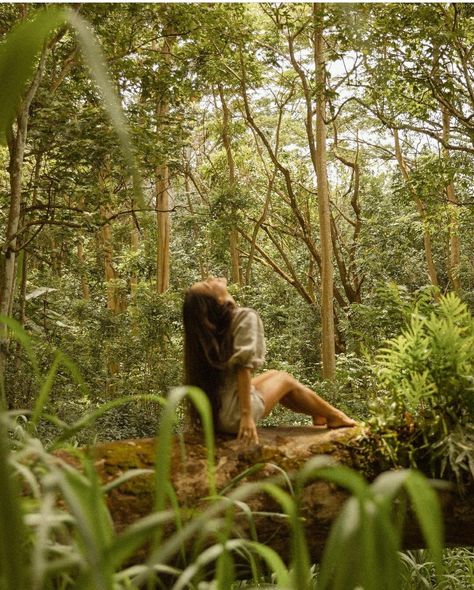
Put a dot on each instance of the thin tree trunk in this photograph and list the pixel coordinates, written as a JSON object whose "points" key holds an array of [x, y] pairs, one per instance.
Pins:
{"points": [[454, 249], [162, 183], [317, 149], [234, 235], [327, 281], [109, 270], [23, 257], [349, 273], [163, 225], [82, 263], [113, 300], [202, 266], [135, 245], [431, 268], [16, 146]]}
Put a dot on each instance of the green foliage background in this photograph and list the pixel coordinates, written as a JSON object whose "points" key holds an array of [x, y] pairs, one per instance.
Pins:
{"points": [[405, 349]]}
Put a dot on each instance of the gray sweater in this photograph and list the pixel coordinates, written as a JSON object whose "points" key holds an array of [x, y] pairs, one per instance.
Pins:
{"points": [[248, 351]]}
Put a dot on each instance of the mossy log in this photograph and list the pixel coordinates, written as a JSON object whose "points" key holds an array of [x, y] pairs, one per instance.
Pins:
{"points": [[287, 448]]}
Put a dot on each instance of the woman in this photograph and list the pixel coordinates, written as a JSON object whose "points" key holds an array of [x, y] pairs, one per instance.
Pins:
{"points": [[223, 345]]}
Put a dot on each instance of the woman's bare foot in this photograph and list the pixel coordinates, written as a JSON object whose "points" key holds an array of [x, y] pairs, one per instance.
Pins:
{"points": [[340, 420], [319, 421]]}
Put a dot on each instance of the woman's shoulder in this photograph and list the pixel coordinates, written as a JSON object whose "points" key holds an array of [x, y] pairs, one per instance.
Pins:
{"points": [[243, 312], [246, 317]]}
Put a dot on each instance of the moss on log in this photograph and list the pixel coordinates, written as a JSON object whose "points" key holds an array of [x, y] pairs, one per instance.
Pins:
{"points": [[286, 448]]}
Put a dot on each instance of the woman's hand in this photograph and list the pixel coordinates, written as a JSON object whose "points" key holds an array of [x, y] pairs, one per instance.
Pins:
{"points": [[248, 430]]}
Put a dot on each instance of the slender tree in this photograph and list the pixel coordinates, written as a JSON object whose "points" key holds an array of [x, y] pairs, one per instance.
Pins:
{"points": [[327, 280]]}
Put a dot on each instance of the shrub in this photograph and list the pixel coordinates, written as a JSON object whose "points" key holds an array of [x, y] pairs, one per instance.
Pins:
{"points": [[427, 374]]}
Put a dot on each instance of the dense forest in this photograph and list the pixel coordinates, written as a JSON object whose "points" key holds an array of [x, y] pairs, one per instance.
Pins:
{"points": [[318, 156]]}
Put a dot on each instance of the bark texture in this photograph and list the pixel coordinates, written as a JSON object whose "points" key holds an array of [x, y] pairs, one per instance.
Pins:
{"points": [[431, 268], [162, 179], [328, 351], [287, 448], [454, 248], [233, 235]]}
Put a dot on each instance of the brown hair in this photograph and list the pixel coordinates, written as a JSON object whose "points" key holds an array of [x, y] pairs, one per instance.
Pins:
{"points": [[207, 346]]}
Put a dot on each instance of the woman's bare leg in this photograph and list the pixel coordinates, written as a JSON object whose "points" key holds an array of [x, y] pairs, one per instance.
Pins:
{"points": [[278, 386], [263, 377], [287, 400]]}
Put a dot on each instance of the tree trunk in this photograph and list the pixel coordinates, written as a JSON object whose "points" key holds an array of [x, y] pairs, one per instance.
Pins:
{"points": [[84, 283], [162, 182], [454, 253], [113, 297], [235, 274], [113, 303], [16, 147], [327, 295], [135, 245], [195, 225], [280, 448], [317, 149], [433, 275], [163, 229]]}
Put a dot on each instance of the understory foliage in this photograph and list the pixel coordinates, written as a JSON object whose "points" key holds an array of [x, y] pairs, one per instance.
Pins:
{"points": [[64, 537], [427, 372]]}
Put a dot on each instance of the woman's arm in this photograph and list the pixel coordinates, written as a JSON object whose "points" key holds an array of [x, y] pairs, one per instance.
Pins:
{"points": [[247, 430]]}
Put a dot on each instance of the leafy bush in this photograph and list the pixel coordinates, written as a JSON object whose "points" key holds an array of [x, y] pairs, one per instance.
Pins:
{"points": [[383, 314], [428, 375], [353, 387]]}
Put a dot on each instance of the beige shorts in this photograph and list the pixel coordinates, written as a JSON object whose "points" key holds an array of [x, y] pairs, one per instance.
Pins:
{"points": [[229, 414]]}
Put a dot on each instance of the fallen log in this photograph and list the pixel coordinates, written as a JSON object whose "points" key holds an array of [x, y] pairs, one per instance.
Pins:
{"points": [[285, 448]]}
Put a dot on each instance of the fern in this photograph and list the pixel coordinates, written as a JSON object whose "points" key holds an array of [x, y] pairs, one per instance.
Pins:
{"points": [[428, 375]]}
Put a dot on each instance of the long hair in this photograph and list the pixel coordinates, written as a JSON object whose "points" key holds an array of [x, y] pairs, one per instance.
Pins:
{"points": [[207, 346]]}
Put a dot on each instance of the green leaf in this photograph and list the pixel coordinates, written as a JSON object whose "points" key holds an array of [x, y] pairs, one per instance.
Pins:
{"points": [[20, 335], [274, 562], [45, 390], [93, 523], [18, 58], [95, 61], [428, 513], [12, 533], [126, 543], [341, 551]]}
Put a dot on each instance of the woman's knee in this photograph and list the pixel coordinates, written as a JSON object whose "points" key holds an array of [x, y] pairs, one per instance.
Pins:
{"points": [[288, 379], [270, 373]]}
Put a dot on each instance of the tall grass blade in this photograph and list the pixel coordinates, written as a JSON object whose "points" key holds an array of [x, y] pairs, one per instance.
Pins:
{"points": [[12, 533], [299, 549], [344, 477], [428, 513], [274, 562], [127, 542], [225, 570], [94, 58], [341, 553], [168, 419], [20, 335], [18, 58], [45, 391], [165, 551], [40, 556], [84, 499]]}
